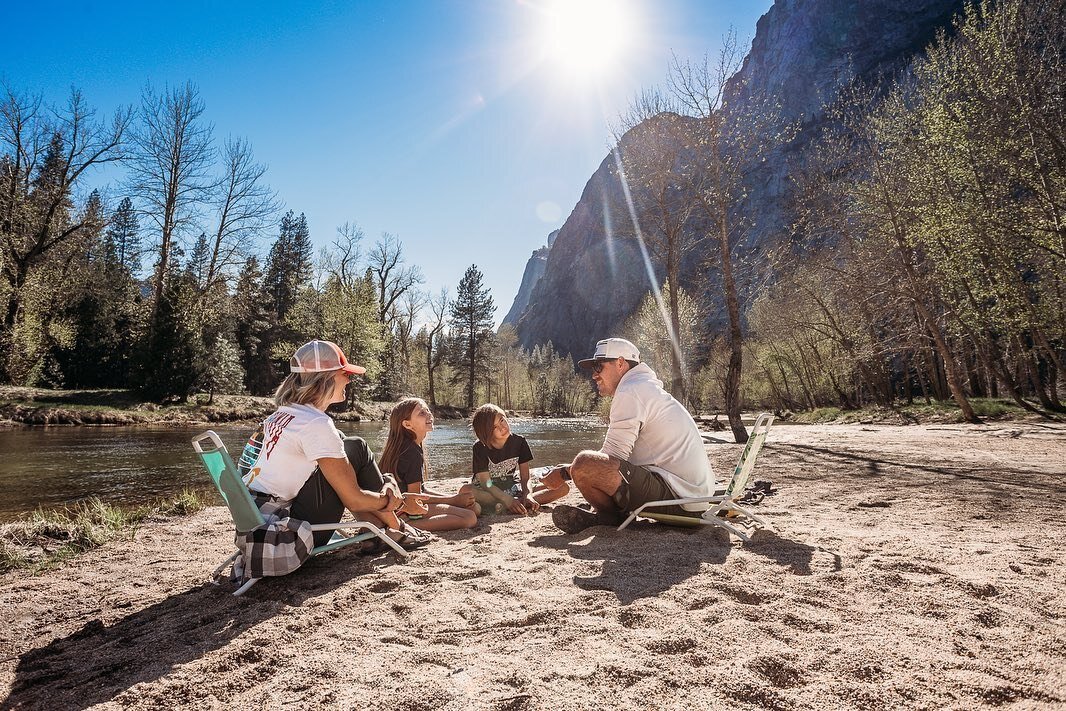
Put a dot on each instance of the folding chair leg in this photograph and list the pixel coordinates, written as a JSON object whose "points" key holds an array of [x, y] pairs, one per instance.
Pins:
{"points": [[219, 569], [735, 530], [244, 588]]}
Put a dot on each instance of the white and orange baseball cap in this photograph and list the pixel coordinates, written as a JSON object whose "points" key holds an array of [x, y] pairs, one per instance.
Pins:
{"points": [[320, 357]]}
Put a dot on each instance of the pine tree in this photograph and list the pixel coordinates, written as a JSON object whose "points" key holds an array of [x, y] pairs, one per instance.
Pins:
{"points": [[223, 372], [289, 265], [124, 236], [174, 359], [196, 267], [252, 326], [472, 323]]}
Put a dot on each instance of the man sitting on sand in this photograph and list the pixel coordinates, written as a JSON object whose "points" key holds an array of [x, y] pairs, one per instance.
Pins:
{"points": [[652, 451]]}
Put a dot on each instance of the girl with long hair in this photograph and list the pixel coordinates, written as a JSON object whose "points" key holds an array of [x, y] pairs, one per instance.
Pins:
{"points": [[409, 423]]}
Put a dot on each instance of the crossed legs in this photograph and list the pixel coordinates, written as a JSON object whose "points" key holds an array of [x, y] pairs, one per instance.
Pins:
{"points": [[598, 478]]}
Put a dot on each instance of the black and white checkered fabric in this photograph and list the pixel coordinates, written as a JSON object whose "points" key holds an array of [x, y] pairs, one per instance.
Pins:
{"points": [[278, 547]]}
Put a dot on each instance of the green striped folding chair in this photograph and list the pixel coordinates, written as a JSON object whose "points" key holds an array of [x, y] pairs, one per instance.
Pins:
{"points": [[726, 512]]}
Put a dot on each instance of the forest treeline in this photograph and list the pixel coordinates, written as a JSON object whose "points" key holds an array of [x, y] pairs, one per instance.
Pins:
{"points": [[927, 259], [933, 261], [187, 279]]}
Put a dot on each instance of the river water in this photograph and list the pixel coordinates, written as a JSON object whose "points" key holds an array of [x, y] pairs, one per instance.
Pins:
{"points": [[50, 467]]}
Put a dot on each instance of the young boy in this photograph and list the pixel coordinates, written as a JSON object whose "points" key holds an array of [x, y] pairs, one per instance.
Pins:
{"points": [[498, 456]]}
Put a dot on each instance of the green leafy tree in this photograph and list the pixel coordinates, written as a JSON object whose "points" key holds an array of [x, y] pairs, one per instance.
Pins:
{"points": [[222, 369], [38, 228]]}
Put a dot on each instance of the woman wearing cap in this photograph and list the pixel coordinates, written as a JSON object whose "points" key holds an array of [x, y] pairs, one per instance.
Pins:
{"points": [[302, 458]]}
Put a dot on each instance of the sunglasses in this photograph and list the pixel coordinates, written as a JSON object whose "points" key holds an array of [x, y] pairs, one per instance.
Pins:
{"points": [[600, 365]]}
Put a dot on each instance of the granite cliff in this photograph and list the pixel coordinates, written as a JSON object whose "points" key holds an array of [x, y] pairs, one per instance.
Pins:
{"points": [[803, 53], [533, 272]]}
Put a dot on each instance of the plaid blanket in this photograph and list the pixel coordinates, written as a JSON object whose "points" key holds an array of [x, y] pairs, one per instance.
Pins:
{"points": [[278, 547]]}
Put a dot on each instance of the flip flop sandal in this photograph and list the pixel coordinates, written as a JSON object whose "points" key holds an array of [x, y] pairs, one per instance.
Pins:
{"points": [[410, 543], [766, 487], [752, 496], [411, 538]]}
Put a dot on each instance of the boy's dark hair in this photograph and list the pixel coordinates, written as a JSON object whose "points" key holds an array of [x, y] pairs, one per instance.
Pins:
{"points": [[485, 422]]}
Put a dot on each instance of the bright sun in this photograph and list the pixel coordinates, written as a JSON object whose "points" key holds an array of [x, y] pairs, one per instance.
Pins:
{"points": [[586, 38]]}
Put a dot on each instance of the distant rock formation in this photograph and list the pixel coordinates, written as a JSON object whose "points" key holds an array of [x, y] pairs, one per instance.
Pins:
{"points": [[532, 274], [803, 53]]}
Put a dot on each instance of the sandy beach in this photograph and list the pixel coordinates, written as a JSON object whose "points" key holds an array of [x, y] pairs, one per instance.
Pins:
{"points": [[916, 567]]}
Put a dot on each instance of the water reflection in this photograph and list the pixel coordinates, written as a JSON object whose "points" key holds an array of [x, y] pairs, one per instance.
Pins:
{"points": [[54, 466]]}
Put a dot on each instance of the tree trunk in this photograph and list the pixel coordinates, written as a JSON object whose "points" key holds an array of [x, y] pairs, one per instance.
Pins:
{"points": [[429, 375], [677, 382], [732, 380]]}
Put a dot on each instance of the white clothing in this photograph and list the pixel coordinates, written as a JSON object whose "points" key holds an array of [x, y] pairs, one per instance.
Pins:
{"points": [[651, 429], [294, 439]]}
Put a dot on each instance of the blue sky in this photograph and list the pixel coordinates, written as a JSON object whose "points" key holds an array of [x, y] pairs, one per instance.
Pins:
{"points": [[459, 126]]}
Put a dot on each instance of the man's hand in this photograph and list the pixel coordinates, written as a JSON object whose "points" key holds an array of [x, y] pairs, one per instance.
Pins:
{"points": [[516, 507], [531, 504]]}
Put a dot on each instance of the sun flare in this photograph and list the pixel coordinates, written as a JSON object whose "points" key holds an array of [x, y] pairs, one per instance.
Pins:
{"points": [[586, 38]]}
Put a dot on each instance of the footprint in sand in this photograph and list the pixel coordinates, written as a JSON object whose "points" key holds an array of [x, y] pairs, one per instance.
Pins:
{"points": [[777, 671], [383, 586], [669, 645]]}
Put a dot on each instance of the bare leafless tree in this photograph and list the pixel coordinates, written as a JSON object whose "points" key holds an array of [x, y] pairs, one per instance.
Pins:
{"points": [[650, 151], [170, 170], [392, 275], [438, 306], [245, 206], [727, 142]]}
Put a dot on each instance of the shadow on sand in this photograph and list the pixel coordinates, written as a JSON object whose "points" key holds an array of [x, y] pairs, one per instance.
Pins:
{"points": [[648, 558], [99, 661]]}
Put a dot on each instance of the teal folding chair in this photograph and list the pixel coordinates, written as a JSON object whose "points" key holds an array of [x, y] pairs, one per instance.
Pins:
{"points": [[246, 515], [727, 513]]}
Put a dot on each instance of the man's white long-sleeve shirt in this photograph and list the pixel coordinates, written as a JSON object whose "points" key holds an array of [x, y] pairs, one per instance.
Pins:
{"points": [[651, 429]]}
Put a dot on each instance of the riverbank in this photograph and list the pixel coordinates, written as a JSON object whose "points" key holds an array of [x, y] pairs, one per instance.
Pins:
{"points": [[911, 567], [39, 406]]}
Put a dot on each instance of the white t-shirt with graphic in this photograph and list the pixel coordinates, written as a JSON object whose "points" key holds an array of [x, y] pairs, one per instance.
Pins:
{"points": [[294, 439]]}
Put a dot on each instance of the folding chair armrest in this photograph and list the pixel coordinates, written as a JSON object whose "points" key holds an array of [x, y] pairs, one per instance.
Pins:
{"points": [[208, 435], [368, 527]]}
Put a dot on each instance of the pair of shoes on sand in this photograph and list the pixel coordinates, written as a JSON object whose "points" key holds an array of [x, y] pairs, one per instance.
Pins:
{"points": [[571, 519], [407, 537]]}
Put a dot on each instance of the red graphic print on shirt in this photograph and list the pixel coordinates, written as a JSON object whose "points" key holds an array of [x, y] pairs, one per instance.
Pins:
{"points": [[274, 427]]}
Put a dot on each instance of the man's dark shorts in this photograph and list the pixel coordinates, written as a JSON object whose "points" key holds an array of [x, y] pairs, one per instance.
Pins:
{"points": [[640, 485]]}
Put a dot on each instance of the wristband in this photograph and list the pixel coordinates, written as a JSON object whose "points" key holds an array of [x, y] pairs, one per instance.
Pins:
{"points": [[488, 484]]}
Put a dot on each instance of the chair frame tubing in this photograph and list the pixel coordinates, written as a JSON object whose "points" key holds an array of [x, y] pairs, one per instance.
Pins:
{"points": [[726, 502]]}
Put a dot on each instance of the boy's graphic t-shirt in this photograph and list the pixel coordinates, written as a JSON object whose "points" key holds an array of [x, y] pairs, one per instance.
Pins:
{"points": [[411, 466], [502, 464]]}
